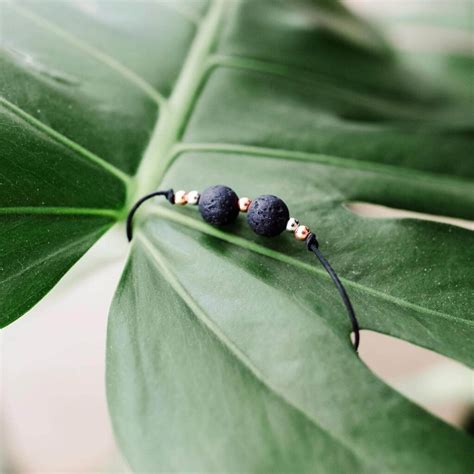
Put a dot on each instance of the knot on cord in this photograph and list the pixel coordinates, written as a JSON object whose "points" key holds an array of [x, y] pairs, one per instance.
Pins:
{"points": [[169, 195], [312, 242]]}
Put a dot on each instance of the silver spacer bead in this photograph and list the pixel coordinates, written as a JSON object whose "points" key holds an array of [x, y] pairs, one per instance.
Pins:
{"points": [[292, 224], [193, 197]]}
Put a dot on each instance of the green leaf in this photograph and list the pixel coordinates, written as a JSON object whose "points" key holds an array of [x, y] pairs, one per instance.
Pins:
{"points": [[77, 108], [228, 352], [228, 356]]}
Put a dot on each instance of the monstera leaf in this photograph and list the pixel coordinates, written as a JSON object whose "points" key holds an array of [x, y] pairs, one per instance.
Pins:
{"points": [[229, 352]]}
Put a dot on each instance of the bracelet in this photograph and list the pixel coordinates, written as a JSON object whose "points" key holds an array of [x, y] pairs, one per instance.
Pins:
{"points": [[267, 215]]}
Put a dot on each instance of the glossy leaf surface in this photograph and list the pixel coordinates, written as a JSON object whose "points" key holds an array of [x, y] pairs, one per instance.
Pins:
{"points": [[229, 352], [77, 108]]}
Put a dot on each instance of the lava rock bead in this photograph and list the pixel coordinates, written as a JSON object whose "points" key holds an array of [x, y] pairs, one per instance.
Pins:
{"points": [[268, 215], [219, 205]]}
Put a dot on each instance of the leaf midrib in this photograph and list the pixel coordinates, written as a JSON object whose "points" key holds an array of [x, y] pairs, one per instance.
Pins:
{"points": [[164, 146], [181, 101], [172, 111], [193, 224], [161, 153]]}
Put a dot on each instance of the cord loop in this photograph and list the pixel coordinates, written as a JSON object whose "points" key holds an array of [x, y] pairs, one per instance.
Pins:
{"points": [[168, 194]]}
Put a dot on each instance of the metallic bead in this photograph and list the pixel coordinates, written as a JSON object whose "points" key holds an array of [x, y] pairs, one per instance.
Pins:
{"points": [[292, 224], [244, 204], [193, 197], [302, 232], [180, 198]]}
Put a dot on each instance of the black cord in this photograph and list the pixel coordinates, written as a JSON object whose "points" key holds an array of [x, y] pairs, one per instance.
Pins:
{"points": [[313, 246], [169, 194]]}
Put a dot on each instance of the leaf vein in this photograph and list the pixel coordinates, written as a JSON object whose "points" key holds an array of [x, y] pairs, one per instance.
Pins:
{"points": [[56, 253], [339, 161], [227, 342], [67, 211], [171, 215], [63, 140], [312, 78], [122, 70]]}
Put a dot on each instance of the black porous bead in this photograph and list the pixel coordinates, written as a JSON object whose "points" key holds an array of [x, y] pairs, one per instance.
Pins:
{"points": [[219, 205], [268, 215]]}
